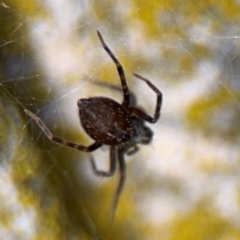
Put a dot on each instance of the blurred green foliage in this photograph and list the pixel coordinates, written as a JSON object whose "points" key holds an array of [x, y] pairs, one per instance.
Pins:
{"points": [[216, 115], [203, 223]]}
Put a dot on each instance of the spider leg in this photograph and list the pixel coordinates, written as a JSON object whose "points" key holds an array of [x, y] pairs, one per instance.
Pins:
{"points": [[113, 152], [134, 111], [59, 140], [132, 150], [133, 100], [122, 169], [120, 70]]}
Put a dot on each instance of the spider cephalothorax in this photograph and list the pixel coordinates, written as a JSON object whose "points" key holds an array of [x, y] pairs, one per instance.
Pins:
{"points": [[107, 122]]}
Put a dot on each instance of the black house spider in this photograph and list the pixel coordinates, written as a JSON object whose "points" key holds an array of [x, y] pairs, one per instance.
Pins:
{"points": [[121, 126]]}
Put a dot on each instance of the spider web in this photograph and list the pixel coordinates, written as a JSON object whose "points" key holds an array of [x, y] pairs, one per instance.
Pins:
{"points": [[51, 57]]}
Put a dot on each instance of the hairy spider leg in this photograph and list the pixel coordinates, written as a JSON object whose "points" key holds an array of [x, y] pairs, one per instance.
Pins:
{"points": [[133, 150], [126, 99], [133, 100], [122, 170], [115, 155], [134, 111], [59, 140], [112, 168]]}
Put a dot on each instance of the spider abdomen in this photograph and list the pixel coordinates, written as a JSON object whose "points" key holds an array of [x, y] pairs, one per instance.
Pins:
{"points": [[105, 120]]}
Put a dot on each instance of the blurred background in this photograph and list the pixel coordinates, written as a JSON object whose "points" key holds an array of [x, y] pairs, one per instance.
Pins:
{"points": [[185, 184]]}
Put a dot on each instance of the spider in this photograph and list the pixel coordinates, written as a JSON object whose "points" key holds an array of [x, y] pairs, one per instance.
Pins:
{"points": [[121, 126]]}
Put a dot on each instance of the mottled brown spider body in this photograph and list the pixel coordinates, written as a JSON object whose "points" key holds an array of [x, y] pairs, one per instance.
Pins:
{"points": [[121, 126], [105, 120]]}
